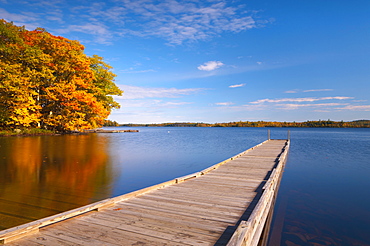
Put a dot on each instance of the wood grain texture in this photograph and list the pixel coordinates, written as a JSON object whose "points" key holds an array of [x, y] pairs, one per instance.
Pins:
{"points": [[204, 208]]}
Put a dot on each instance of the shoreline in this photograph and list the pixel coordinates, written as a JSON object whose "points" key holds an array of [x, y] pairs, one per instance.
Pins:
{"points": [[12, 133], [306, 124]]}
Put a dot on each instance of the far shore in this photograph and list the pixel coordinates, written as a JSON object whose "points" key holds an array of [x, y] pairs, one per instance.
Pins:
{"points": [[306, 124], [40, 132]]}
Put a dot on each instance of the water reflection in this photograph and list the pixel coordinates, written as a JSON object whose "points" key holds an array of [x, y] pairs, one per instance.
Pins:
{"points": [[41, 176], [323, 197]]}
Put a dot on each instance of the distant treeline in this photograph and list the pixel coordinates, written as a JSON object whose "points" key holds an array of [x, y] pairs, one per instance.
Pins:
{"points": [[319, 123]]}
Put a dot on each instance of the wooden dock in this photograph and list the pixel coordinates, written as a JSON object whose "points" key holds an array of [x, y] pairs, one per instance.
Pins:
{"points": [[226, 204]]}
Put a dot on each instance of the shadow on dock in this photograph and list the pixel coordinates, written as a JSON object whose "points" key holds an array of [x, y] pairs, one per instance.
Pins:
{"points": [[230, 230]]}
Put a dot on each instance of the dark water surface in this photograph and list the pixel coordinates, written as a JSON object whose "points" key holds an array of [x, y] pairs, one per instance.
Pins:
{"points": [[324, 196], [323, 199]]}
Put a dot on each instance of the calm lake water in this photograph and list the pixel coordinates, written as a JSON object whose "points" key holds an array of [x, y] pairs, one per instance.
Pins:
{"points": [[323, 198]]}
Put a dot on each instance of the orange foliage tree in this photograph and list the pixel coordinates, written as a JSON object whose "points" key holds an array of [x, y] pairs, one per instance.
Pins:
{"points": [[47, 81]]}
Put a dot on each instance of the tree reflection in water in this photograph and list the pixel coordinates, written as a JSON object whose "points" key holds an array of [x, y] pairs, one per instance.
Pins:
{"points": [[44, 175]]}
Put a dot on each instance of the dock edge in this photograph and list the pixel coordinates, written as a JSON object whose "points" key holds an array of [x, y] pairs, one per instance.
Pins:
{"points": [[23, 230], [249, 232]]}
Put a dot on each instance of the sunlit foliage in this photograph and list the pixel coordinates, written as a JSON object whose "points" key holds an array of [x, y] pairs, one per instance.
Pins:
{"points": [[48, 82]]}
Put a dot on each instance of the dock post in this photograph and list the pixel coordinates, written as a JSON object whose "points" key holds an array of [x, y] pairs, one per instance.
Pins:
{"points": [[268, 134], [288, 134]]}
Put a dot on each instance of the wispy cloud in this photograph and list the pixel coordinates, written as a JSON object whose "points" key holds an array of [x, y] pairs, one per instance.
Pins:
{"points": [[236, 86], [313, 90], [175, 21], [149, 105], [289, 106], [356, 107], [211, 65], [224, 103], [99, 30], [318, 90], [136, 92], [311, 103], [138, 71], [17, 18], [306, 99], [187, 20]]}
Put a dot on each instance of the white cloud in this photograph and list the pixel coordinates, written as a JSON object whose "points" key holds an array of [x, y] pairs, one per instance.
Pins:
{"points": [[314, 90], [259, 63], [151, 103], [169, 104], [357, 107], [100, 31], [176, 21], [318, 90], [236, 86], [359, 100], [211, 65], [131, 70], [136, 92], [224, 103], [306, 99], [289, 106], [18, 18]]}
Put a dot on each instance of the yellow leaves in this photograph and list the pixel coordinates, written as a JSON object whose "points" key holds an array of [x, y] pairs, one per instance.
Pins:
{"points": [[25, 116], [49, 80]]}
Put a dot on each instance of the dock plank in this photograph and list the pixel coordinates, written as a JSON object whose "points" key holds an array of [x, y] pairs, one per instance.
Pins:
{"points": [[204, 208]]}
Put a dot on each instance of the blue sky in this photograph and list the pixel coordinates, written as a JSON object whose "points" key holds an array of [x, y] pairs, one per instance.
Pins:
{"points": [[220, 61]]}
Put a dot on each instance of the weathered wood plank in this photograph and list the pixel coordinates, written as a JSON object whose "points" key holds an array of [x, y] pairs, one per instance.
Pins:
{"points": [[204, 223], [23, 242], [202, 203], [157, 232], [222, 198], [205, 227], [224, 183], [71, 236], [46, 240], [181, 213], [210, 198], [215, 190], [154, 223], [191, 210], [106, 234], [248, 232], [9, 234], [155, 220], [227, 182]]}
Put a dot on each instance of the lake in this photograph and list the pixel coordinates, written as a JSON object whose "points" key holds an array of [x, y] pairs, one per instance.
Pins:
{"points": [[323, 197]]}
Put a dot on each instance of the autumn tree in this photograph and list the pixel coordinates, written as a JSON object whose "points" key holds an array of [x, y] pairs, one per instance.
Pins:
{"points": [[47, 81]]}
